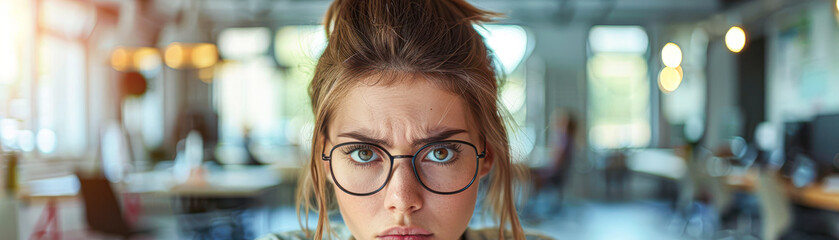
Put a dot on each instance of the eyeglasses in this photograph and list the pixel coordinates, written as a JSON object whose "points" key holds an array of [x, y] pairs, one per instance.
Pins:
{"points": [[445, 167]]}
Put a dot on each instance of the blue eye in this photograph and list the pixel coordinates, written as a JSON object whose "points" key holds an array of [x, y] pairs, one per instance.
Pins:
{"points": [[363, 155], [440, 155]]}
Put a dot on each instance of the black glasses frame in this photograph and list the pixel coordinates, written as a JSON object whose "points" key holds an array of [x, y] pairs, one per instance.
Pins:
{"points": [[413, 158]]}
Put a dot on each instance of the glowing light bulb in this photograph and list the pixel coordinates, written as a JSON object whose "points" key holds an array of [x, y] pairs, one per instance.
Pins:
{"points": [[671, 55], [204, 55], [735, 39], [669, 79], [120, 59], [146, 58], [174, 55]]}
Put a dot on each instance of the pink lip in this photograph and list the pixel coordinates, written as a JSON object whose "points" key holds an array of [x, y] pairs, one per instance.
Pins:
{"points": [[405, 233]]}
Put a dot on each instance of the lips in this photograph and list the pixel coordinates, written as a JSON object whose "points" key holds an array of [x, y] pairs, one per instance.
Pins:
{"points": [[405, 237], [405, 233]]}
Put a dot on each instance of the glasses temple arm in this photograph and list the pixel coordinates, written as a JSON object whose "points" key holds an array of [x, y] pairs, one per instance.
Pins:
{"points": [[323, 155], [484, 153]]}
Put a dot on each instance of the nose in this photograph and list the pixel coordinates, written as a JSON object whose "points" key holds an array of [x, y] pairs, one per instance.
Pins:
{"points": [[404, 193]]}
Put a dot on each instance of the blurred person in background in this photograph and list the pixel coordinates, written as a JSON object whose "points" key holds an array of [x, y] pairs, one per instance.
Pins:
{"points": [[407, 126], [555, 174]]}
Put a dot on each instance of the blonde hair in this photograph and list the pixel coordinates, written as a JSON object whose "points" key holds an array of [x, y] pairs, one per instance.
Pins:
{"points": [[394, 40]]}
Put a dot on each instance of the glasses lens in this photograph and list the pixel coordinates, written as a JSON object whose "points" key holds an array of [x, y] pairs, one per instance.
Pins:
{"points": [[447, 166], [360, 168]]}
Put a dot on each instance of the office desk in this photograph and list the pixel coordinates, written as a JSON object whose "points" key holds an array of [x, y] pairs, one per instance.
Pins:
{"points": [[52, 191], [57, 188], [229, 181], [813, 196], [222, 183]]}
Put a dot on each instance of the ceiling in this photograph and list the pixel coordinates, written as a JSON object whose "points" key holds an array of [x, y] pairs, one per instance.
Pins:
{"points": [[281, 12]]}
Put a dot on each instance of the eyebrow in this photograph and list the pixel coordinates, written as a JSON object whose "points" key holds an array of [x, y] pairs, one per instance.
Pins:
{"points": [[434, 136], [438, 135], [363, 136]]}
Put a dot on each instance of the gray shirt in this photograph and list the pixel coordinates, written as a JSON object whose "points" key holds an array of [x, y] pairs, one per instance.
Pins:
{"points": [[470, 234]]}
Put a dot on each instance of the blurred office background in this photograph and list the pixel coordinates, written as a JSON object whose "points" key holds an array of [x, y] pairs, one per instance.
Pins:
{"points": [[639, 119]]}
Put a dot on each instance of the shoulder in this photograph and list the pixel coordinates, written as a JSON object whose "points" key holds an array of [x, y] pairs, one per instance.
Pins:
{"points": [[492, 233], [296, 235]]}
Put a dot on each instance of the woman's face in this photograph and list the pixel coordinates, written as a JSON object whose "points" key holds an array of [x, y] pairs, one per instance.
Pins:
{"points": [[398, 115]]}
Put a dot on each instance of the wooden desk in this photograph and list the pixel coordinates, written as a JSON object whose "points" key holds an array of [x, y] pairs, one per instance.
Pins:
{"points": [[815, 196], [812, 196]]}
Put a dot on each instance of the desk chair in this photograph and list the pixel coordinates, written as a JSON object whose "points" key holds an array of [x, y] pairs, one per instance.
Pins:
{"points": [[102, 210]]}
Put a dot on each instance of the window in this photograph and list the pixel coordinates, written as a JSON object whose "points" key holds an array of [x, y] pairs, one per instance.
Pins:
{"points": [[618, 87], [42, 77], [510, 48], [15, 43]]}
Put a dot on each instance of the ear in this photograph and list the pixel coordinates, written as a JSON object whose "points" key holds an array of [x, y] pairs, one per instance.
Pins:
{"points": [[324, 150], [486, 163]]}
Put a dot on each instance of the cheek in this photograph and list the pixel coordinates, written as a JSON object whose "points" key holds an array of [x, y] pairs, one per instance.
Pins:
{"points": [[359, 213], [354, 206], [462, 203], [451, 213]]}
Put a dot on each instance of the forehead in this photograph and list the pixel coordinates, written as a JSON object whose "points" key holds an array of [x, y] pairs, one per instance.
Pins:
{"points": [[406, 109]]}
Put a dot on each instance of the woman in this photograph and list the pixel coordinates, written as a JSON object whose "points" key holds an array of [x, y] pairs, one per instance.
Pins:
{"points": [[407, 125]]}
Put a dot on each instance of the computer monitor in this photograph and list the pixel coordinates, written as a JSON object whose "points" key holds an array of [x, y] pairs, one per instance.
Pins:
{"points": [[824, 141], [796, 144], [796, 139]]}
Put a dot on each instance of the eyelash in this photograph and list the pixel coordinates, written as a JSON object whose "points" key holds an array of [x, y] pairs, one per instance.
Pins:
{"points": [[457, 150], [455, 147], [351, 148]]}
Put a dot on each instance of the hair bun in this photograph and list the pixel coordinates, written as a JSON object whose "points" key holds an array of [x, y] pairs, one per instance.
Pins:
{"points": [[406, 35], [412, 11]]}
